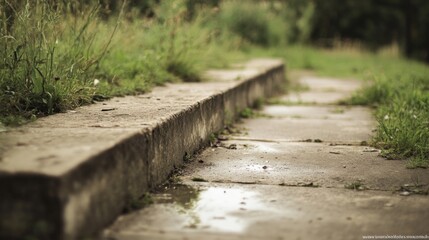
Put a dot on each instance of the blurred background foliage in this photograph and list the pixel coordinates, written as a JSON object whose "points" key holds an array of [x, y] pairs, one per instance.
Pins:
{"points": [[374, 23]]}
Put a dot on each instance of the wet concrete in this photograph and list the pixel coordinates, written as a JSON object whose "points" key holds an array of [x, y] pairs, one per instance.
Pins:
{"points": [[318, 112], [237, 211], [295, 172], [303, 129], [302, 163]]}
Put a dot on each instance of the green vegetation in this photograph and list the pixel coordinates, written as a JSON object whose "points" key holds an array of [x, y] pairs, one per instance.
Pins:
{"points": [[399, 89], [139, 203], [57, 56], [247, 113]]}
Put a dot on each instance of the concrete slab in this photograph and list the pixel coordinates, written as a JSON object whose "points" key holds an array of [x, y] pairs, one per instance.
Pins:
{"points": [[296, 129], [323, 84], [303, 164], [232, 211], [322, 90], [318, 112], [314, 97], [297, 123], [68, 175]]}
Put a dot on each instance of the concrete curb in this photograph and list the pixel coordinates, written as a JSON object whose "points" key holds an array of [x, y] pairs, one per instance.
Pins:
{"points": [[69, 175]]}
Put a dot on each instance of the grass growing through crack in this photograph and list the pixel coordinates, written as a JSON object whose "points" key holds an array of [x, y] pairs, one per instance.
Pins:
{"points": [[247, 113], [139, 203], [401, 97]]}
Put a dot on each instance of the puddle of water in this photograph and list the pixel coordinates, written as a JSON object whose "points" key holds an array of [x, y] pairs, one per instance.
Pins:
{"points": [[215, 208], [180, 194], [223, 208]]}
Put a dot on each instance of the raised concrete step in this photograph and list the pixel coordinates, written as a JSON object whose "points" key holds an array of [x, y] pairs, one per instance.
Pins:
{"points": [[68, 175]]}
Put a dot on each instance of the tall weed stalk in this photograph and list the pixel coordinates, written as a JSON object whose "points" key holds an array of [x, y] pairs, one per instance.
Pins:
{"points": [[47, 57]]}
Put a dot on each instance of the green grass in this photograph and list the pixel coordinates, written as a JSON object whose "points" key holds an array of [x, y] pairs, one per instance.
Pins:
{"points": [[46, 65], [54, 58], [247, 113]]}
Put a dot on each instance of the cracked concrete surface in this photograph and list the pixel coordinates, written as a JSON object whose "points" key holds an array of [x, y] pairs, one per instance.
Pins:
{"points": [[296, 172]]}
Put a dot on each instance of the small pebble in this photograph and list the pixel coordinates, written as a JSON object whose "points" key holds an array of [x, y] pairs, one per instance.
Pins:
{"points": [[405, 193]]}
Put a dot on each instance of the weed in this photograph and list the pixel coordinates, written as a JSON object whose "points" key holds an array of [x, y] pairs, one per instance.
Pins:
{"points": [[48, 59], [338, 110], [139, 203], [356, 185], [187, 157], [258, 104], [247, 113], [296, 87], [213, 138], [403, 126], [418, 162]]}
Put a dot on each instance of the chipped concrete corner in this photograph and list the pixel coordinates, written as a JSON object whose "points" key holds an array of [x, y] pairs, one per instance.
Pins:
{"points": [[68, 175]]}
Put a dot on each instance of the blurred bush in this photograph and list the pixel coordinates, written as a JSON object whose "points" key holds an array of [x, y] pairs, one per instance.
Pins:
{"points": [[376, 23]]}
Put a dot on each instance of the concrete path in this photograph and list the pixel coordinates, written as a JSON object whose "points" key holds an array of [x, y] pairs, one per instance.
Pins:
{"points": [[297, 171]]}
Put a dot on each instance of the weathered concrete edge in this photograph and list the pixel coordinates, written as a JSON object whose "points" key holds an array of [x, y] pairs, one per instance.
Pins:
{"points": [[89, 197]]}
